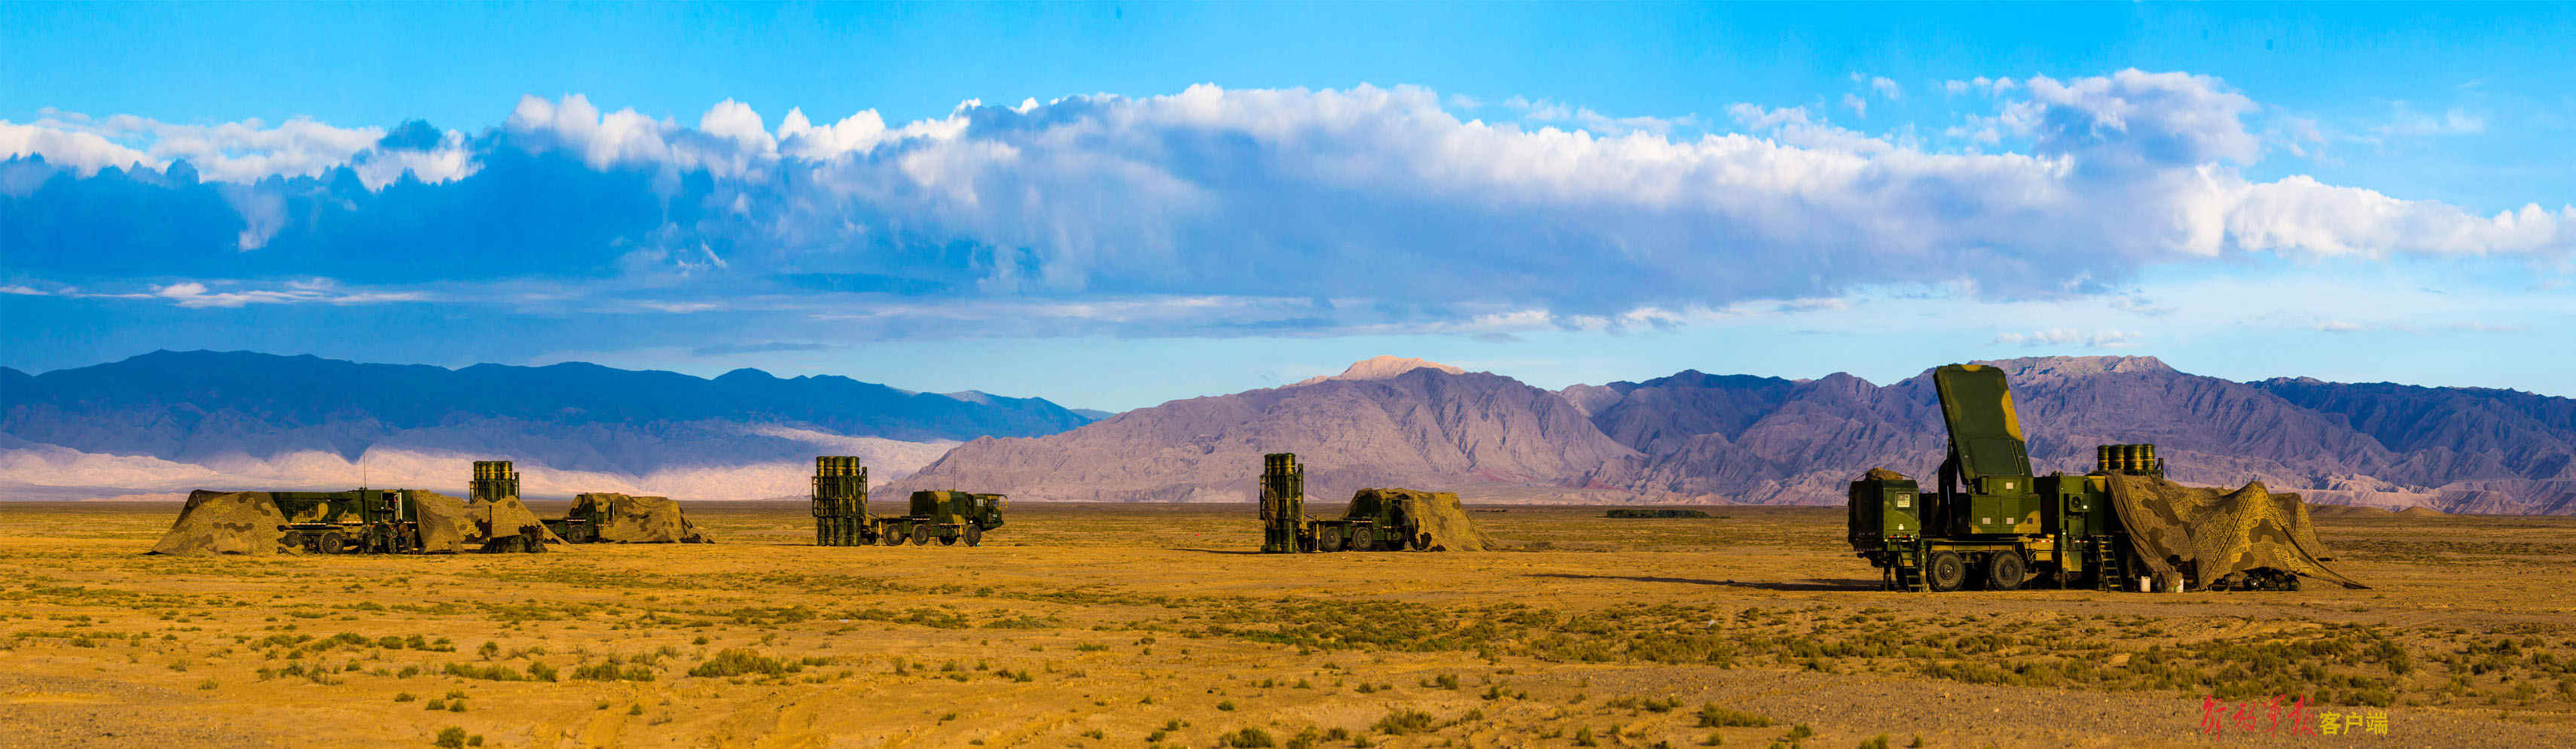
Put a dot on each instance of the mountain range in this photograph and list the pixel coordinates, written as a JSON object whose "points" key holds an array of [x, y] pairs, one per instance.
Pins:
{"points": [[167, 422], [170, 421], [1697, 437]]}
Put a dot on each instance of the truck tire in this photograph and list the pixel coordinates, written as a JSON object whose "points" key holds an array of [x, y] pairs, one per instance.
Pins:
{"points": [[948, 539], [332, 543], [889, 537], [974, 535], [1945, 572], [2005, 572], [1329, 538], [921, 534]]}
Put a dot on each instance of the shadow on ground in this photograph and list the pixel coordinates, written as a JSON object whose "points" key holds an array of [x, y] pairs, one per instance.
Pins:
{"points": [[1803, 585]]}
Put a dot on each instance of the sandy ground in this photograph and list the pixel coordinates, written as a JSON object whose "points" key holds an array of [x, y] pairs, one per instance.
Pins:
{"points": [[1099, 625]]}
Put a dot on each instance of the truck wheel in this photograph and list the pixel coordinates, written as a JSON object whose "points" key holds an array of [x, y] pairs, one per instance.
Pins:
{"points": [[1328, 539], [2005, 572], [974, 535], [921, 535], [332, 543], [1305, 543], [948, 540], [1945, 572], [889, 536]]}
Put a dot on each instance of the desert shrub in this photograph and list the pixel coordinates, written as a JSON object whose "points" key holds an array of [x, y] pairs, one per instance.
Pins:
{"points": [[1400, 722], [1246, 737], [739, 662], [1713, 716], [487, 673], [613, 670]]}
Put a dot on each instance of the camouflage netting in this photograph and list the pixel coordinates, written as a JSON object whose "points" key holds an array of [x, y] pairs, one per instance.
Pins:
{"points": [[2214, 533], [1436, 514], [637, 520], [445, 524], [507, 525], [224, 523]]}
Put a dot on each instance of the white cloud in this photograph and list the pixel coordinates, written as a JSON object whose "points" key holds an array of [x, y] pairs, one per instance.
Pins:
{"points": [[1095, 203], [85, 152], [2154, 119], [2408, 122], [1886, 88], [234, 152], [2071, 338], [197, 295], [1858, 106]]}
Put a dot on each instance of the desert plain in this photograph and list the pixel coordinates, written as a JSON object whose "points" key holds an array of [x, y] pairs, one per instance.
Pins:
{"points": [[1098, 625]]}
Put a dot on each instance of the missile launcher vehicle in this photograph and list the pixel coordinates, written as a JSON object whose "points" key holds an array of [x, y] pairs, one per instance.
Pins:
{"points": [[841, 516], [1990, 524], [1373, 523]]}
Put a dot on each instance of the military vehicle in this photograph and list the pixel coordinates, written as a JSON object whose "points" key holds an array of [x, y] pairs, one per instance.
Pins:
{"points": [[841, 515], [945, 515], [1371, 523], [1990, 524], [359, 521], [496, 485]]}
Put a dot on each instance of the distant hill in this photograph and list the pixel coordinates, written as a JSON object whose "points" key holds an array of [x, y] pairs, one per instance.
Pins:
{"points": [[1423, 426], [1698, 437], [303, 419]]}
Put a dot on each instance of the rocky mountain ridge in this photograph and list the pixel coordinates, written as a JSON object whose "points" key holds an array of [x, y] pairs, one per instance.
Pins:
{"points": [[1698, 437]]}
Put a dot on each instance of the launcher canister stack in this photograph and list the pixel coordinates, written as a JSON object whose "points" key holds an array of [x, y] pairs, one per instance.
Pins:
{"points": [[840, 501], [494, 479], [2137, 459], [1283, 502]]}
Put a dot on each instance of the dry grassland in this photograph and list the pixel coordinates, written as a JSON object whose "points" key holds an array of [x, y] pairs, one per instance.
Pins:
{"points": [[1137, 626]]}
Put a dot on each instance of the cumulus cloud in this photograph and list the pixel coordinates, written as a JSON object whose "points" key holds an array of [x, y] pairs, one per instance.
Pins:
{"points": [[1354, 207], [2137, 119], [241, 152]]}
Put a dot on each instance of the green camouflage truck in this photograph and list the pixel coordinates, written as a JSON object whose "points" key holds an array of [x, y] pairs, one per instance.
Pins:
{"points": [[358, 521], [1990, 524], [948, 516], [841, 516]]}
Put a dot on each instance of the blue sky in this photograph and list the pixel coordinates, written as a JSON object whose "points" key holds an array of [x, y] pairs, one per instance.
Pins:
{"points": [[1162, 201]]}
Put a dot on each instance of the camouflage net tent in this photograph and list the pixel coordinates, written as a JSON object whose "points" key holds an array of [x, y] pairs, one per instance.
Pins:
{"points": [[637, 520], [445, 525], [224, 523], [1435, 514], [508, 525], [2214, 533]]}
